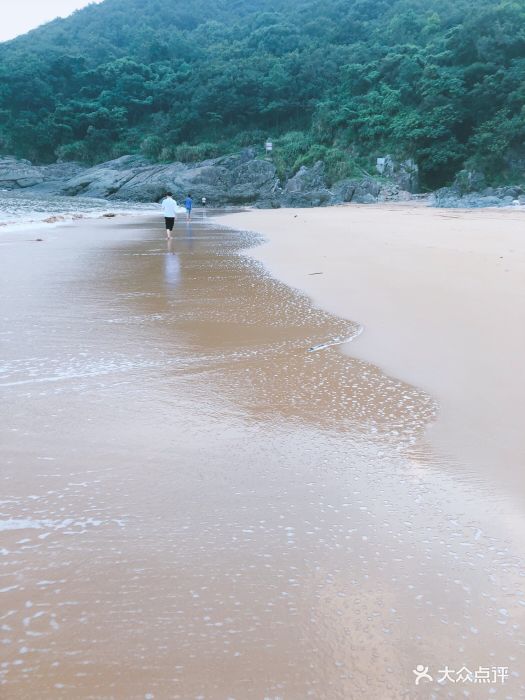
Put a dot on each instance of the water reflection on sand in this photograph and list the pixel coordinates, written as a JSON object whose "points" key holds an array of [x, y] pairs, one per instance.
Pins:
{"points": [[195, 506]]}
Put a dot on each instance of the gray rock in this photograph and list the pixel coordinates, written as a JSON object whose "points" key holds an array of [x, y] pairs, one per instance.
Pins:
{"points": [[363, 191], [125, 163], [343, 191], [307, 188], [314, 198], [367, 191], [21, 174], [514, 191], [147, 183], [307, 180], [450, 197], [469, 190], [405, 173], [475, 201], [105, 179], [445, 198], [251, 181], [468, 181], [407, 176], [17, 174], [237, 179]]}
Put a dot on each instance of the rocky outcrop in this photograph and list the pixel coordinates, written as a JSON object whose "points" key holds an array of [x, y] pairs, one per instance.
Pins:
{"points": [[469, 191], [449, 198], [103, 180], [238, 179], [367, 190], [360, 191], [18, 174], [307, 188], [404, 173], [231, 180]]}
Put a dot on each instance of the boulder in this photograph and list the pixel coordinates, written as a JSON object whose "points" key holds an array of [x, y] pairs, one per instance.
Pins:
{"points": [[307, 188], [236, 179], [407, 176], [448, 197], [105, 179], [404, 173], [361, 191], [367, 191], [392, 192], [467, 181], [469, 190], [16, 174], [21, 174], [307, 179], [252, 181], [240, 179]]}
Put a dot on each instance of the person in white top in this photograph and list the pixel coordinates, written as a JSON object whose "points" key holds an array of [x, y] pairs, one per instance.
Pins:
{"points": [[169, 209]]}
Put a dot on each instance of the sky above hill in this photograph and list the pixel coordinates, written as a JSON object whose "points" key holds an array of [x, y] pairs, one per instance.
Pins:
{"points": [[21, 16]]}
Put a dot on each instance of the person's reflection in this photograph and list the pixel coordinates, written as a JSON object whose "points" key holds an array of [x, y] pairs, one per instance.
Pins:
{"points": [[189, 236], [171, 265]]}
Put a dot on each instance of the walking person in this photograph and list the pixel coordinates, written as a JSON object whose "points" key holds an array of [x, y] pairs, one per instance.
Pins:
{"points": [[169, 209], [188, 203]]}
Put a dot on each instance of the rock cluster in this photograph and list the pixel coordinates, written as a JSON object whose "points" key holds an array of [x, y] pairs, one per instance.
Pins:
{"points": [[243, 179], [17, 174], [469, 190], [238, 179]]}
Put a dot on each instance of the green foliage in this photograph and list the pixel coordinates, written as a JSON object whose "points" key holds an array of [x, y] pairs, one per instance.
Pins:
{"points": [[343, 81], [289, 149], [187, 153], [339, 164]]}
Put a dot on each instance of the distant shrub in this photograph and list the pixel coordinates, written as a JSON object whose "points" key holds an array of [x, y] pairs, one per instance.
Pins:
{"points": [[339, 164], [288, 150], [198, 152], [75, 151], [152, 147], [188, 153], [254, 138]]}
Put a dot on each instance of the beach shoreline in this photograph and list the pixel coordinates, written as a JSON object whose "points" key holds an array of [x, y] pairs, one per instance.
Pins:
{"points": [[441, 297], [182, 473]]}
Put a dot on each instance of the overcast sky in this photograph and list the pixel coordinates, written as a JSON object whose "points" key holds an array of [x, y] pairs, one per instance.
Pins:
{"points": [[19, 16]]}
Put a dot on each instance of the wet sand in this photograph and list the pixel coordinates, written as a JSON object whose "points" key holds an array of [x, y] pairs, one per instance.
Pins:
{"points": [[203, 498], [441, 295]]}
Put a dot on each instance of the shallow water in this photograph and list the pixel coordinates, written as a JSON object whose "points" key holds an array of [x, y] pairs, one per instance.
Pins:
{"points": [[20, 209], [194, 505]]}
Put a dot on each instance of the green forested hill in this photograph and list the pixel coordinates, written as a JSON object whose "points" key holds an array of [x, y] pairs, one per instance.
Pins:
{"points": [[342, 80]]}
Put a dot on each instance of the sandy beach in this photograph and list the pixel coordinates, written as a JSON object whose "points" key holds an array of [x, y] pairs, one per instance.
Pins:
{"points": [[441, 297], [206, 495]]}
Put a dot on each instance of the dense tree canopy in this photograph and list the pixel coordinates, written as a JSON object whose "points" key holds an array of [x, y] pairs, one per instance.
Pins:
{"points": [[342, 80]]}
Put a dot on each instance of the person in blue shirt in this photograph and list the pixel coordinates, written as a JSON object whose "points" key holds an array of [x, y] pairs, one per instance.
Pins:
{"points": [[188, 203]]}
